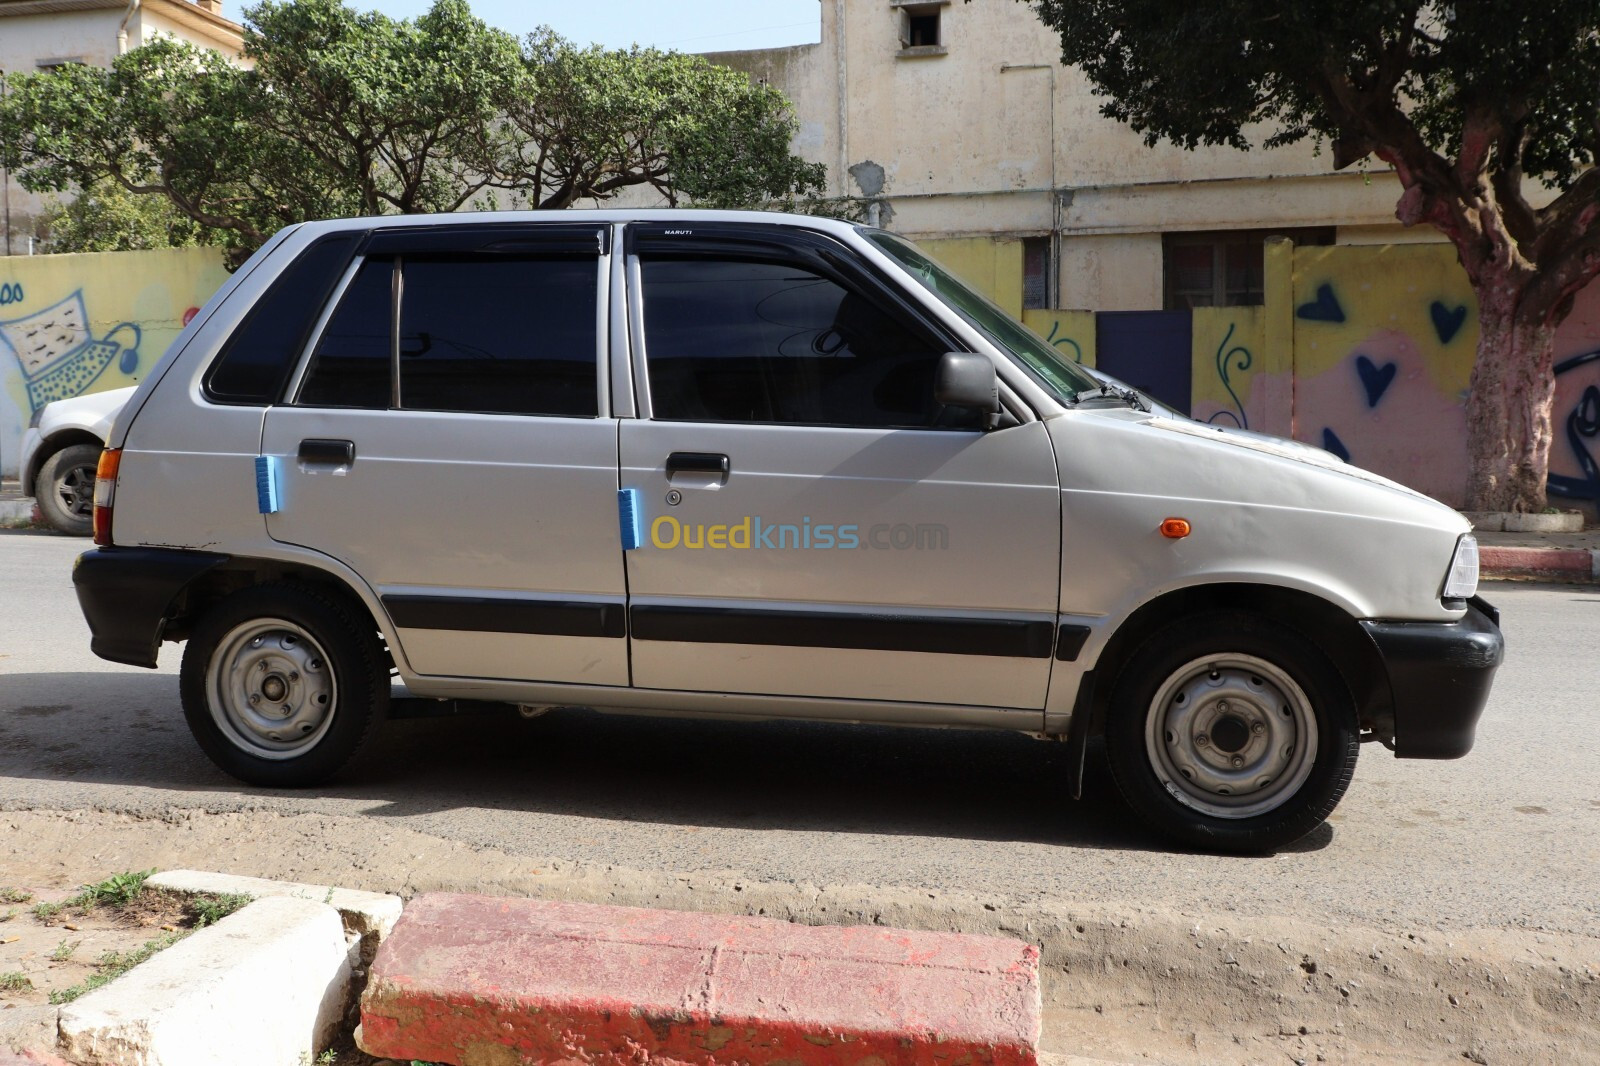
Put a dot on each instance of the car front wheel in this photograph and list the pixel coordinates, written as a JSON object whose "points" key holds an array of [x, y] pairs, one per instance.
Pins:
{"points": [[1230, 732], [282, 685]]}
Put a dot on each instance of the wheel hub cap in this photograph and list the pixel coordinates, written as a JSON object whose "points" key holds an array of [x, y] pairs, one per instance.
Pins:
{"points": [[1232, 736], [271, 691]]}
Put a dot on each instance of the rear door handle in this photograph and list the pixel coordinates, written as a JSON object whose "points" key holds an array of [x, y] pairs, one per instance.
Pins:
{"points": [[327, 452], [698, 463]]}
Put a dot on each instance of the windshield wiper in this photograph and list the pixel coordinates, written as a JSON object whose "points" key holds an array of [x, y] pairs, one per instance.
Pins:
{"points": [[1109, 391]]}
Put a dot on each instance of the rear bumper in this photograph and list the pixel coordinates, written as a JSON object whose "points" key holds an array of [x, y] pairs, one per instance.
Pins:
{"points": [[1439, 676], [127, 595]]}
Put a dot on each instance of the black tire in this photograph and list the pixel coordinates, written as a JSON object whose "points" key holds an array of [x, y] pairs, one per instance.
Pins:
{"points": [[300, 651], [1265, 689], [65, 489]]}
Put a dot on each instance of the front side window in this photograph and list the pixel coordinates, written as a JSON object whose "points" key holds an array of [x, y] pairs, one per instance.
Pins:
{"points": [[1064, 378], [730, 340], [486, 335]]}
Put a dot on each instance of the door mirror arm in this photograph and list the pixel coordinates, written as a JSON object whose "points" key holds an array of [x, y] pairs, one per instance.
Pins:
{"points": [[967, 380]]}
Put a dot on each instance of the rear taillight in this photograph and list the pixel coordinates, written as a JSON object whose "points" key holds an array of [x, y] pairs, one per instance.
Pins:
{"points": [[105, 493]]}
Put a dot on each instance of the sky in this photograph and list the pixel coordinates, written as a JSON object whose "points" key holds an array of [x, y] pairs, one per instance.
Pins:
{"points": [[686, 25]]}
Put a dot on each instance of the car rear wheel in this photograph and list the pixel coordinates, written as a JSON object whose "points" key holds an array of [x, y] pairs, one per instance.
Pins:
{"points": [[282, 685], [65, 491], [1230, 732]]}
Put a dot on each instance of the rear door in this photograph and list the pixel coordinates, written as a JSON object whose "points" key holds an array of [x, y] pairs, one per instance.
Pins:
{"points": [[812, 523], [447, 439]]}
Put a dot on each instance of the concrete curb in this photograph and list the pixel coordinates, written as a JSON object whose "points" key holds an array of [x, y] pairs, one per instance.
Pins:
{"points": [[1571, 564], [270, 983], [367, 916], [13, 512], [484, 979]]}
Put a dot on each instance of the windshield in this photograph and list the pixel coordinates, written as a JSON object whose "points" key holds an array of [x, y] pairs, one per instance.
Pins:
{"points": [[1061, 376]]}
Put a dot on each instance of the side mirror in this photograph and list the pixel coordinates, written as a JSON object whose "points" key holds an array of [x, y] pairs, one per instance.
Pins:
{"points": [[967, 380]]}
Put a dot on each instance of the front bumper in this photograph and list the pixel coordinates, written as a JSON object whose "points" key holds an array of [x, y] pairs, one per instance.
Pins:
{"points": [[1439, 676], [127, 595]]}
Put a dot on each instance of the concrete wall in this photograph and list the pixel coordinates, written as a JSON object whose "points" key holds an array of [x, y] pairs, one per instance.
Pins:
{"points": [[75, 324]]}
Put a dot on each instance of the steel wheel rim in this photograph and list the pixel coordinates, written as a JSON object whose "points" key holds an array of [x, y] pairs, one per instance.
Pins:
{"points": [[76, 490], [1231, 736], [270, 689]]}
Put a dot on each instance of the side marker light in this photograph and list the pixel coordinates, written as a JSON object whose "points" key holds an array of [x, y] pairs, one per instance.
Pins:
{"points": [[1175, 528]]}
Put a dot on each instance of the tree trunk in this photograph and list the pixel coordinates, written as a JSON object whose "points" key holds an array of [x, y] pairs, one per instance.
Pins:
{"points": [[1509, 407]]}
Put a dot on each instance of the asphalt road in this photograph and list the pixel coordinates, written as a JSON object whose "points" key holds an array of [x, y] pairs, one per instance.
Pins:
{"points": [[1507, 837]]}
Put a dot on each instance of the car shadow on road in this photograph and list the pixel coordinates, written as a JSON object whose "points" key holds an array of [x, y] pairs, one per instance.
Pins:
{"points": [[127, 729]]}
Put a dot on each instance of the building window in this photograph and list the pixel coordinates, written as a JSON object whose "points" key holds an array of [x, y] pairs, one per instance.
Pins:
{"points": [[1036, 286], [58, 61], [921, 28], [1224, 269]]}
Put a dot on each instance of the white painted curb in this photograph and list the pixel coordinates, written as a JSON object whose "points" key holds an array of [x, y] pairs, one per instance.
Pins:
{"points": [[266, 986], [367, 916]]}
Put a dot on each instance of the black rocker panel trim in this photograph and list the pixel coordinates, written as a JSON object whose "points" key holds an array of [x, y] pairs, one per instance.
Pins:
{"points": [[1014, 638], [481, 614]]}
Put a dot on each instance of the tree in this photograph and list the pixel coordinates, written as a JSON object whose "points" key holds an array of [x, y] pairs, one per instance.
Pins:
{"points": [[341, 113], [1484, 108], [108, 218]]}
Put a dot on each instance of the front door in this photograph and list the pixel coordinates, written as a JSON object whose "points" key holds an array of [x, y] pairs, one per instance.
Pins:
{"points": [[812, 523], [446, 441]]}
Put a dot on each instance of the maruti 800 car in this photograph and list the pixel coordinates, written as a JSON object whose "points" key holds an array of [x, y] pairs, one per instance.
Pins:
{"points": [[738, 464]]}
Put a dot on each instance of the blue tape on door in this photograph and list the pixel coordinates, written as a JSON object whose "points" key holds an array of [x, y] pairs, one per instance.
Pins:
{"points": [[631, 515], [267, 483]]}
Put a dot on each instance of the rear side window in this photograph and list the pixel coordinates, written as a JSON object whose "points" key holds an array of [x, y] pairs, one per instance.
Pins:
{"points": [[486, 334], [256, 360], [745, 341]]}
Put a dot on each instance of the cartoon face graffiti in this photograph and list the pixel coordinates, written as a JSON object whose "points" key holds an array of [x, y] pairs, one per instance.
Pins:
{"points": [[60, 356]]}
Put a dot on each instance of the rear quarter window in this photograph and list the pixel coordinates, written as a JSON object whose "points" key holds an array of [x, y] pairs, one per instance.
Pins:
{"points": [[256, 360]]}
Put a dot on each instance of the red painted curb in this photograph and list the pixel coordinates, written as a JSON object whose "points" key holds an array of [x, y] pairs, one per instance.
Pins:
{"points": [[1535, 560], [471, 978]]}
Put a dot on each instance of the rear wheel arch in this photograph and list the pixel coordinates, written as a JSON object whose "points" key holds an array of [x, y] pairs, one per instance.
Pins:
{"points": [[1326, 624]]}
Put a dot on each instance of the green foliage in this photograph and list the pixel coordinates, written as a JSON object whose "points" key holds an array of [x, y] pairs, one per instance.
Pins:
{"points": [[348, 113], [64, 950], [15, 981], [118, 890], [15, 895], [209, 908], [112, 965], [45, 911], [108, 218]]}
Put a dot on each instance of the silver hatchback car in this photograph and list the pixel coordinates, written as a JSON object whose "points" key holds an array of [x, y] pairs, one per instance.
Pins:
{"points": [[737, 464]]}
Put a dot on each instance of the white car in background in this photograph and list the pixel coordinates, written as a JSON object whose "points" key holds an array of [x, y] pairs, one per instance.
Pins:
{"points": [[60, 451]]}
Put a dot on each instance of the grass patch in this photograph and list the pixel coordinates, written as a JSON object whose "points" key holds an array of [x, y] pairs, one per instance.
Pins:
{"points": [[46, 911], [15, 981], [64, 950], [117, 891], [15, 895], [210, 908], [112, 965]]}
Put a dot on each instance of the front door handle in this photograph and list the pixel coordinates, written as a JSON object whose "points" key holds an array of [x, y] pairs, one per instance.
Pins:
{"points": [[325, 452], [698, 463]]}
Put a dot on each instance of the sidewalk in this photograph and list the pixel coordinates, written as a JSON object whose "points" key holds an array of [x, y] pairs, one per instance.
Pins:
{"points": [[15, 508]]}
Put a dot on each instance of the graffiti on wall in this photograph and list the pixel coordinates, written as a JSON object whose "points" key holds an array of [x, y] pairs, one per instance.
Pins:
{"points": [[1228, 360], [1575, 449], [1384, 340], [1071, 333], [75, 324], [59, 354]]}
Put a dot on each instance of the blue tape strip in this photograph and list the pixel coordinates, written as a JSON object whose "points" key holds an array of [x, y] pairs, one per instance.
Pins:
{"points": [[630, 512], [267, 484]]}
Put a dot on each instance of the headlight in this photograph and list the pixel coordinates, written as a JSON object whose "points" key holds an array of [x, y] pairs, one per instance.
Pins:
{"points": [[1461, 583], [33, 423]]}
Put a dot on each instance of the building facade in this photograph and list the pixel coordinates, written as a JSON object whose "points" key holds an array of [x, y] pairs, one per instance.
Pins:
{"points": [[39, 34], [960, 122]]}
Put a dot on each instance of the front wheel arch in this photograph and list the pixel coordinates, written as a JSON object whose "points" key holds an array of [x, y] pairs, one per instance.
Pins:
{"points": [[1338, 634]]}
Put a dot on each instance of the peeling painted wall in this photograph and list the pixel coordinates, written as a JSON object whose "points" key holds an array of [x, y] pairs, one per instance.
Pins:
{"points": [[76, 324]]}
